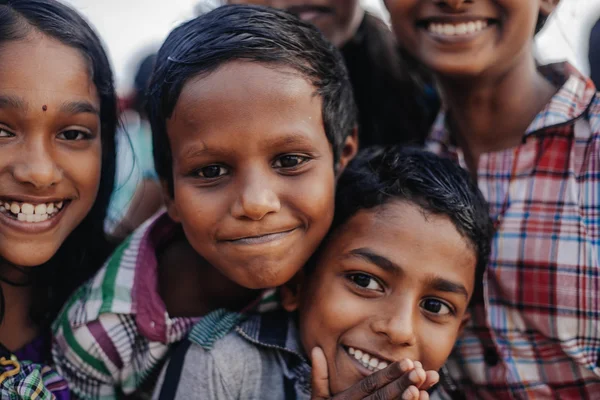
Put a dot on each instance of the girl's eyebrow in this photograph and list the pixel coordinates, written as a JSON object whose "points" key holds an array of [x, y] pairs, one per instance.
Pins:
{"points": [[79, 107], [8, 101]]}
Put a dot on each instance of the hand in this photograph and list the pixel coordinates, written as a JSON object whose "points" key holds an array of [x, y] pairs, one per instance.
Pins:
{"points": [[405, 379]]}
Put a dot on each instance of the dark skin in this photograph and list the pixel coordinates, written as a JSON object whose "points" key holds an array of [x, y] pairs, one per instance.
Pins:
{"points": [[480, 76]]}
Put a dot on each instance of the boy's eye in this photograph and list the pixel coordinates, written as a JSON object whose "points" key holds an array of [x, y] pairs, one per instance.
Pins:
{"points": [[73, 135], [289, 161], [434, 306], [365, 281], [5, 133], [212, 171]]}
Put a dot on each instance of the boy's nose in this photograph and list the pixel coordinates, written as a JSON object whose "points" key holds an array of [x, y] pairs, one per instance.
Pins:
{"points": [[397, 326], [37, 167], [256, 199]]}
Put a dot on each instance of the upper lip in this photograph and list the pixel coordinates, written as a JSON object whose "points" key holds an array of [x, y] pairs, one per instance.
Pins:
{"points": [[231, 238], [452, 19], [33, 199], [373, 353]]}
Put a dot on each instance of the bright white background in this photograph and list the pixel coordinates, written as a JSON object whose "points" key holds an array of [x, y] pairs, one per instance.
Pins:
{"points": [[133, 28]]}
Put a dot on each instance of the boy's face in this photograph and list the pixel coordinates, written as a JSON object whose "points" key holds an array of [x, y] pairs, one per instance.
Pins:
{"points": [[466, 38], [391, 284], [338, 20], [252, 170]]}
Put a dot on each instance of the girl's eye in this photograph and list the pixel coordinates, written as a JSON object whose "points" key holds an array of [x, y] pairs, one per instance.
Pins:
{"points": [[212, 171], [437, 307], [73, 135], [289, 161], [5, 133], [365, 281]]}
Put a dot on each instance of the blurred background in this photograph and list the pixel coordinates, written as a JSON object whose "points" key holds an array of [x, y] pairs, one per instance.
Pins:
{"points": [[133, 28]]}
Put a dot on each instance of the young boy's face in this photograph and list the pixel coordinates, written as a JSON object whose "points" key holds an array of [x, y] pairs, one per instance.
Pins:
{"points": [[253, 171], [391, 283], [466, 38], [336, 19]]}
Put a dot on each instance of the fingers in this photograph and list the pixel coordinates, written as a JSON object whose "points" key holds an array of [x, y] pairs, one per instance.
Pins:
{"points": [[432, 379], [412, 393], [378, 380], [405, 387], [320, 375]]}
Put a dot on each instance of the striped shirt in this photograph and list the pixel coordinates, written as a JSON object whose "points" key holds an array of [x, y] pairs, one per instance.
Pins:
{"points": [[115, 332], [536, 332]]}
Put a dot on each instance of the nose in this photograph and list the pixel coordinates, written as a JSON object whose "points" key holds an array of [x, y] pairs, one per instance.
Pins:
{"points": [[36, 166], [397, 325], [453, 4], [257, 197]]}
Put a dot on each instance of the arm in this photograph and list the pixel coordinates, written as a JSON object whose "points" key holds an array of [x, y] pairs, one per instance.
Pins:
{"points": [[92, 357]]}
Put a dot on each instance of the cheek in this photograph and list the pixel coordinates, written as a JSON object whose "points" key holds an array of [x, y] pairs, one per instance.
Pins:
{"points": [[436, 344], [198, 209], [84, 170], [312, 195]]}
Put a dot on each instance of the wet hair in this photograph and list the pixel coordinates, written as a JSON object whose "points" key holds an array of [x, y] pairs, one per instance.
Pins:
{"points": [[141, 82], [437, 185], [253, 34], [86, 248]]}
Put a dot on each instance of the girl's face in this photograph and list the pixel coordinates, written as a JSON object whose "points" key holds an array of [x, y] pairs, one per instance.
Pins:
{"points": [[465, 38], [392, 283], [50, 150], [336, 19]]}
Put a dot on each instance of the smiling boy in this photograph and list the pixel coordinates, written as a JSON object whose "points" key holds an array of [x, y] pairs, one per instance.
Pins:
{"points": [[392, 281], [252, 118]]}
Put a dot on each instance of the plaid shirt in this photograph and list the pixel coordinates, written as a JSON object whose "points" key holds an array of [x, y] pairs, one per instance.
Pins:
{"points": [[536, 334], [115, 331]]}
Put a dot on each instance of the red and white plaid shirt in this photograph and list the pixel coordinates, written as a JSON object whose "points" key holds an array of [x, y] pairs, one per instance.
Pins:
{"points": [[537, 332]]}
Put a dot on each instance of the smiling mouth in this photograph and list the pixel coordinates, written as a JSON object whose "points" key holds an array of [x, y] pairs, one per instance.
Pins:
{"points": [[260, 239], [365, 359], [456, 29], [31, 212]]}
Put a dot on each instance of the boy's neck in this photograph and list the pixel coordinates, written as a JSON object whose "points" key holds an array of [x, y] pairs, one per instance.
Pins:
{"points": [[191, 287], [16, 329], [492, 113]]}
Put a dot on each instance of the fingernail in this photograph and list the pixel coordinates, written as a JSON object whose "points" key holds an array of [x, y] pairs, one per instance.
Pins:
{"points": [[418, 364], [414, 376], [405, 365], [407, 395]]}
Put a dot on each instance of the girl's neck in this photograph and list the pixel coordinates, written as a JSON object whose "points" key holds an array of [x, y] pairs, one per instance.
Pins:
{"points": [[492, 113], [16, 329]]}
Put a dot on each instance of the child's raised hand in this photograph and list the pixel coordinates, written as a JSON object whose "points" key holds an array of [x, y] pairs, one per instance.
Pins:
{"points": [[403, 379]]}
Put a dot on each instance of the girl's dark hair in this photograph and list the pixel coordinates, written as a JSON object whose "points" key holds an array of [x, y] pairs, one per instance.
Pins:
{"points": [[254, 34], [396, 99], [86, 248], [437, 185]]}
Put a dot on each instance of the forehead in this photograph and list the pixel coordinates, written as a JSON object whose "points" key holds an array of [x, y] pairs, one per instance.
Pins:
{"points": [[41, 69], [421, 244], [243, 103]]}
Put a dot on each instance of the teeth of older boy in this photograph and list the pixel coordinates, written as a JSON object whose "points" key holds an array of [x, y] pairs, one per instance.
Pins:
{"points": [[464, 28], [367, 360]]}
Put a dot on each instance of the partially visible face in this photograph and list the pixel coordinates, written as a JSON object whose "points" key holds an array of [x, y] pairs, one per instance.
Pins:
{"points": [[391, 284], [253, 171], [50, 150], [338, 20], [466, 38]]}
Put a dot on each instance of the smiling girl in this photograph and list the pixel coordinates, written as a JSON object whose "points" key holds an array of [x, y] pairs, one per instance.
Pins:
{"points": [[531, 136], [57, 125]]}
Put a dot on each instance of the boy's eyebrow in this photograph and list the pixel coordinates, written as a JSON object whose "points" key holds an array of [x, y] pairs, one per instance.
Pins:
{"points": [[7, 101], [79, 107], [288, 140], [435, 282]]}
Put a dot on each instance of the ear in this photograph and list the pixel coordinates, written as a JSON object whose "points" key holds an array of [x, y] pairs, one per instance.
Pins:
{"points": [[348, 151], [169, 201], [290, 292], [548, 6]]}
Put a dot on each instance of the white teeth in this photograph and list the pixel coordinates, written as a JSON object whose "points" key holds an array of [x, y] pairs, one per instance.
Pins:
{"points": [[50, 208], [7, 206], [368, 361], [40, 209], [15, 208], [59, 205], [374, 362], [21, 217], [27, 209], [365, 358], [463, 28], [351, 351], [382, 365], [358, 354]]}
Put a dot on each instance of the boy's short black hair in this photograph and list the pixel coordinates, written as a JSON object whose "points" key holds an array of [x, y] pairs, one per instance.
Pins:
{"points": [[254, 34], [438, 185]]}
